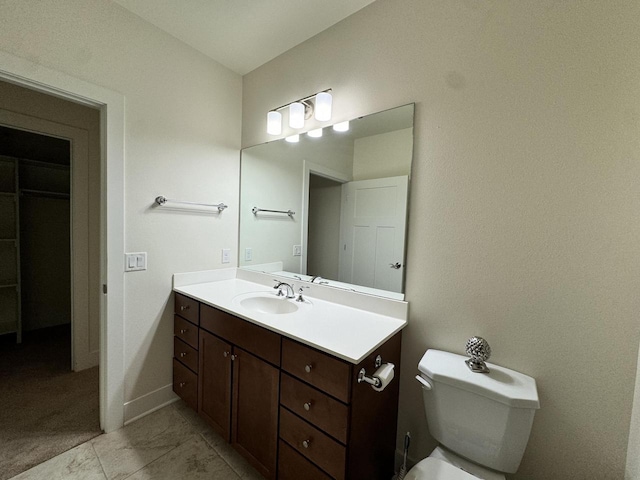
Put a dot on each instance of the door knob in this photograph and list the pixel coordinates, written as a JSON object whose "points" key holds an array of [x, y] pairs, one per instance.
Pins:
{"points": [[395, 266]]}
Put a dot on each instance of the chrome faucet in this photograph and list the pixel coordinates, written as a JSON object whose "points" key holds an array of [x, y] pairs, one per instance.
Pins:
{"points": [[289, 289]]}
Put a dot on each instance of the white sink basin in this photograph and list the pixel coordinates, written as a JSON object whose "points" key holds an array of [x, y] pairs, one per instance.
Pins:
{"points": [[266, 302]]}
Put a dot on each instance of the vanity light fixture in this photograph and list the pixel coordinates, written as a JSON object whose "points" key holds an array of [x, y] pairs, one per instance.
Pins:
{"points": [[296, 115], [341, 127], [318, 104], [317, 133], [323, 106], [274, 123], [293, 138]]}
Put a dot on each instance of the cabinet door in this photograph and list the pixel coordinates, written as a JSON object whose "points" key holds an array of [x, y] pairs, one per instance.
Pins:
{"points": [[255, 411], [214, 379]]}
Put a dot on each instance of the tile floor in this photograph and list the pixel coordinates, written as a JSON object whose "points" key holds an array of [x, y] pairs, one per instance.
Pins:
{"points": [[172, 443]]}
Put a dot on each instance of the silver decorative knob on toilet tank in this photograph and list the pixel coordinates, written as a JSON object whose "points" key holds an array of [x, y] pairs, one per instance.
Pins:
{"points": [[479, 351]]}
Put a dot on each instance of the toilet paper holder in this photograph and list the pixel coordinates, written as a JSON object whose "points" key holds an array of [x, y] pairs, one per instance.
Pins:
{"points": [[371, 380]]}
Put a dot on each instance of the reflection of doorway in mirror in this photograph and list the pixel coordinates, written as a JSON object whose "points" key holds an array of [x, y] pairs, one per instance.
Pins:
{"points": [[324, 227], [373, 233]]}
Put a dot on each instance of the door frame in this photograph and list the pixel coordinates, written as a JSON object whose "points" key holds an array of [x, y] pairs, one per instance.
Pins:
{"points": [[25, 73], [81, 355], [309, 168]]}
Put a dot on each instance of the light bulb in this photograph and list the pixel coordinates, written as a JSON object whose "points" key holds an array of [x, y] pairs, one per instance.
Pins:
{"points": [[317, 133], [293, 138], [323, 106], [341, 127], [274, 123], [296, 115]]}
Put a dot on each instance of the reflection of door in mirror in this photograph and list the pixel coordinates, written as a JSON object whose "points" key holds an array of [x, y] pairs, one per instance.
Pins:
{"points": [[373, 232], [324, 227]]}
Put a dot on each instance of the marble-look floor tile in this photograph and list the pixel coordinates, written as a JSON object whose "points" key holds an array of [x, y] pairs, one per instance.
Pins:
{"points": [[79, 463], [233, 458], [127, 450], [193, 460], [191, 416]]}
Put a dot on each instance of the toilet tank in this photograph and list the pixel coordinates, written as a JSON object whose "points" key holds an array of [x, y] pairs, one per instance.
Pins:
{"points": [[485, 417]]}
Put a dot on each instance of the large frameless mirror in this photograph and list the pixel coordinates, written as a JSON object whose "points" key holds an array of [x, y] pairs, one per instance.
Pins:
{"points": [[331, 209]]}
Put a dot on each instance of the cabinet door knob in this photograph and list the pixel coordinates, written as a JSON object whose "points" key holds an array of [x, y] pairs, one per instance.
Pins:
{"points": [[307, 368], [183, 330], [183, 354], [225, 354], [306, 443], [184, 307], [182, 384], [233, 357], [307, 406]]}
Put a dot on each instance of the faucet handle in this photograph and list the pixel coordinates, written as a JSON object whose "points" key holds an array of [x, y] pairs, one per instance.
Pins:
{"points": [[299, 298]]}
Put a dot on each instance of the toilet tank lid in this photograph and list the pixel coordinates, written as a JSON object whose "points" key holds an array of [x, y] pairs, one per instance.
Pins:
{"points": [[501, 384]]}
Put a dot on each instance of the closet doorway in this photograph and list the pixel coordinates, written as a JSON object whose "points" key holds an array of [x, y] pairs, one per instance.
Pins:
{"points": [[49, 276]]}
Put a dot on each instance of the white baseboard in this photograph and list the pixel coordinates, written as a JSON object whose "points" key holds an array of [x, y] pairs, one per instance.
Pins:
{"points": [[152, 401]]}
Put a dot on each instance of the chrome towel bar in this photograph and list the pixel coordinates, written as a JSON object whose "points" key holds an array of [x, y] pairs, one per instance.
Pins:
{"points": [[255, 211], [161, 200]]}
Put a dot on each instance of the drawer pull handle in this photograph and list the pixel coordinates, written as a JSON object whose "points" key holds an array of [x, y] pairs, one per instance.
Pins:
{"points": [[183, 354], [182, 384], [307, 368], [307, 406], [183, 330], [306, 443], [184, 307]]}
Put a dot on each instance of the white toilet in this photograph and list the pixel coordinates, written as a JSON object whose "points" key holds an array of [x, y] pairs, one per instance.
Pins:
{"points": [[481, 420]]}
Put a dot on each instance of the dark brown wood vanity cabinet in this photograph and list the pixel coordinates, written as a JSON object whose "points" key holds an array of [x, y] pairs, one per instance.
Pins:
{"points": [[293, 411], [332, 427], [239, 385], [185, 349]]}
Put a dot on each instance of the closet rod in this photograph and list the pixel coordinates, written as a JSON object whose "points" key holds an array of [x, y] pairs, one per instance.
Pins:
{"points": [[42, 193]]}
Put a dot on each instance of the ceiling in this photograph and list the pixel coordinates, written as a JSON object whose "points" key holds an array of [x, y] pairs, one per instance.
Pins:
{"points": [[243, 34]]}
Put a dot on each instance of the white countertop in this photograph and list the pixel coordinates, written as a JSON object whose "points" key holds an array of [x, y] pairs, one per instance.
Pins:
{"points": [[336, 328]]}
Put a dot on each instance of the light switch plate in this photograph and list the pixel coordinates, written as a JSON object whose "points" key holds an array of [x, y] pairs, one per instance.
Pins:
{"points": [[297, 250], [248, 254], [226, 255], [134, 262]]}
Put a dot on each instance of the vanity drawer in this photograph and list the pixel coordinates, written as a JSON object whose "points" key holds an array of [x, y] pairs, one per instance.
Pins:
{"points": [[323, 371], [185, 331], [293, 466], [252, 338], [187, 308], [321, 410], [185, 354], [321, 449], [185, 384]]}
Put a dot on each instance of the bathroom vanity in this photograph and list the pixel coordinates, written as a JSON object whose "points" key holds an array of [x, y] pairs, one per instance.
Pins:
{"points": [[283, 388]]}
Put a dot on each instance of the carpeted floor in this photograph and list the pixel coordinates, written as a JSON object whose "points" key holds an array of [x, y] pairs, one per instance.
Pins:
{"points": [[45, 408]]}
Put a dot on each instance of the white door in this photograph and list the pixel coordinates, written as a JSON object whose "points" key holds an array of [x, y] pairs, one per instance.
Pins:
{"points": [[373, 232]]}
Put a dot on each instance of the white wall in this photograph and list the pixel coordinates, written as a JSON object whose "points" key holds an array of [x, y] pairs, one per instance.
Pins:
{"points": [[524, 208], [182, 141], [384, 155]]}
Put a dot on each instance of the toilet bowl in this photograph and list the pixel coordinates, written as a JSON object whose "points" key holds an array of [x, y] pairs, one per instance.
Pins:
{"points": [[436, 469], [445, 465]]}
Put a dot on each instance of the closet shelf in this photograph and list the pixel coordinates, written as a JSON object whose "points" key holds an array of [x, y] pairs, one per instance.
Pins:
{"points": [[9, 285]]}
